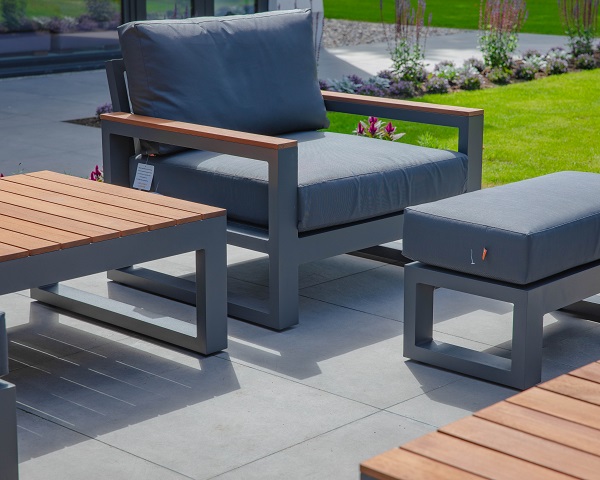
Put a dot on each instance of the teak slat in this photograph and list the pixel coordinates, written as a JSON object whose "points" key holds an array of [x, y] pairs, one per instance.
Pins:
{"points": [[478, 460], [400, 464], [590, 372], [543, 425], [63, 238], [207, 211], [103, 199], [151, 221], [33, 245], [95, 232], [124, 227], [560, 406], [574, 387], [401, 104], [204, 131], [8, 252], [530, 448]]}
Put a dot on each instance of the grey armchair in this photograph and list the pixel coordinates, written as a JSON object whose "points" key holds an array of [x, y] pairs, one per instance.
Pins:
{"points": [[228, 110]]}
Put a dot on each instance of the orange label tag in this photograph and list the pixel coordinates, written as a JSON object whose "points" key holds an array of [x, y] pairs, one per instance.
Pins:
{"points": [[484, 254]]}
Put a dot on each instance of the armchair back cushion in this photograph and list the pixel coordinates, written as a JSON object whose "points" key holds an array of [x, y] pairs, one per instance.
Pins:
{"points": [[252, 73]]}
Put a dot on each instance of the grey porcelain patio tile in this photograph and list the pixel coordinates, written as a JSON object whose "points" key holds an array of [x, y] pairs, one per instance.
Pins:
{"points": [[378, 291], [48, 451], [342, 351], [310, 274], [577, 350], [38, 333], [490, 321], [199, 416], [336, 454], [452, 402]]}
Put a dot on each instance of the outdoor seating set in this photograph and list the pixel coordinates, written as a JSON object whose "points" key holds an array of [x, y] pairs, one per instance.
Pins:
{"points": [[228, 112]]}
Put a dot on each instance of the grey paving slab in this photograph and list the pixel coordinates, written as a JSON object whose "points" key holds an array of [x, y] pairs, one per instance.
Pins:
{"points": [[335, 454], [377, 291], [82, 458], [256, 270], [341, 351], [37, 333], [577, 350], [200, 419], [452, 402]]}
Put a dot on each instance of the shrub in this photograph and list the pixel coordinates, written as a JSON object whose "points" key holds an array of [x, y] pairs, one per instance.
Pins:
{"points": [[585, 61], [558, 52], [469, 79], [475, 63], [526, 70], [580, 19], [346, 84], [324, 85], [402, 89], [409, 49], [447, 70], [436, 84], [374, 87], [13, 12], [104, 108], [499, 76], [556, 66], [531, 53], [500, 22]]}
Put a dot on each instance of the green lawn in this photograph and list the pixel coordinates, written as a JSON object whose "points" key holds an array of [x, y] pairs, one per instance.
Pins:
{"points": [[543, 14], [531, 128]]}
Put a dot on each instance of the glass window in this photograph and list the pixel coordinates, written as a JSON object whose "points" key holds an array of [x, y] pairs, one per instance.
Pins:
{"points": [[40, 27], [160, 9], [234, 7]]}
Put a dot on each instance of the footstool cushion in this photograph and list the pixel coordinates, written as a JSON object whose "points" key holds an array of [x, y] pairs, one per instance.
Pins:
{"points": [[518, 233]]}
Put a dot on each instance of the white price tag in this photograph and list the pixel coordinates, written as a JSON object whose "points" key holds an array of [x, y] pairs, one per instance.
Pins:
{"points": [[143, 176]]}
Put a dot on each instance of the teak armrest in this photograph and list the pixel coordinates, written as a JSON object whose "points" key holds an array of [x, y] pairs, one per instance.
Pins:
{"points": [[349, 98], [202, 131]]}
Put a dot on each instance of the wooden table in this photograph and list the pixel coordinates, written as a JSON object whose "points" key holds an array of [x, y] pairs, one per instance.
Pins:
{"points": [[551, 431], [57, 227]]}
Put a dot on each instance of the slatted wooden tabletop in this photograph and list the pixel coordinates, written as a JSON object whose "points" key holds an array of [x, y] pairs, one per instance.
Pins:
{"points": [[549, 431], [45, 211]]}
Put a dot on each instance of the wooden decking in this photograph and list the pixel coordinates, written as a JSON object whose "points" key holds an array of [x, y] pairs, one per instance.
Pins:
{"points": [[551, 431], [46, 211]]}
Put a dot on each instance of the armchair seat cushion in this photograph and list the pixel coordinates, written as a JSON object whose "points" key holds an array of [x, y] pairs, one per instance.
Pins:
{"points": [[341, 179]]}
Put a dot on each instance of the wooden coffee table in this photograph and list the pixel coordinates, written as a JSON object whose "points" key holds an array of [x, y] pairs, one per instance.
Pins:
{"points": [[56, 227], [551, 431]]}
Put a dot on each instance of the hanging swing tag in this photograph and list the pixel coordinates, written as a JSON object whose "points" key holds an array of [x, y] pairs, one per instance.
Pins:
{"points": [[143, 176]]}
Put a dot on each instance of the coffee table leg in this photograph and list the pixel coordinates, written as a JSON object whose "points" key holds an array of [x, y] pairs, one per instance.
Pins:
{"points": [[208, 336]]}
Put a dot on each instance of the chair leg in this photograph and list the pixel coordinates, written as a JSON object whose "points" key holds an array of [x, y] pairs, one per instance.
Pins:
{"points": [[283, 292]]}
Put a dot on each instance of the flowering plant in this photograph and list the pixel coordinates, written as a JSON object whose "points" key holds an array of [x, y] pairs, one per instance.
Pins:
{"points": [[97, 175], [375, 128]]}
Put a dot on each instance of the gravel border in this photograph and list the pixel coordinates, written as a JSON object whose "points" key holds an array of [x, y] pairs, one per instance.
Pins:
{"points": [[345, 33]]}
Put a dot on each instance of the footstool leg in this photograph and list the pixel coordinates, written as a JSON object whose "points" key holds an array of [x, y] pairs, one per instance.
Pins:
{"points": [[522, 370], [3, 346], [527, 339]]}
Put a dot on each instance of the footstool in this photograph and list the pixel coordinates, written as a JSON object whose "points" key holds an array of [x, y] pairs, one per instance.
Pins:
{"points": [[534, 244], [9, 458]]}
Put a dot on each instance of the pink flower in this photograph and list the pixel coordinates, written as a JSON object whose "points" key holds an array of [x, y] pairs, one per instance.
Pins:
{"points": [[360, 130], [389, 128], [373, 120], [372, 129]]}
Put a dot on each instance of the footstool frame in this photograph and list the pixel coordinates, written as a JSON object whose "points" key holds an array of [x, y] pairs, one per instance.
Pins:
{"points": [[531, 302]]}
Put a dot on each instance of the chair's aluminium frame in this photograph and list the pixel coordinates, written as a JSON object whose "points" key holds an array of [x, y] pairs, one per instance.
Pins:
{"points": [[286, 247]]}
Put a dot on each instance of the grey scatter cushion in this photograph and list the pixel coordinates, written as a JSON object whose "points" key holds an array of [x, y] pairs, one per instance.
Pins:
{"points": [[530, 230], [253, 73]]}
